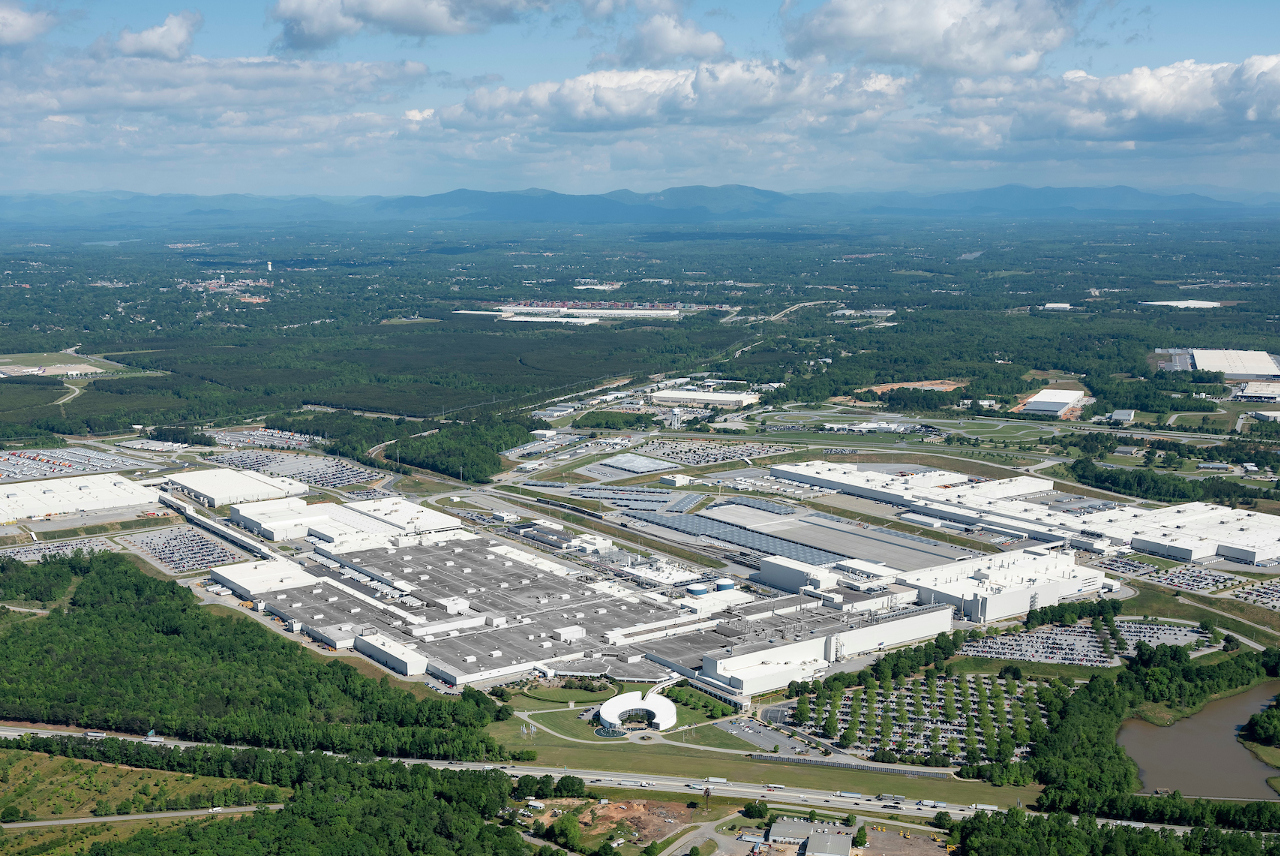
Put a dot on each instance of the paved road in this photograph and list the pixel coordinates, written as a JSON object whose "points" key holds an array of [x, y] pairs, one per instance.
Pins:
{"points": [[72, 821]]}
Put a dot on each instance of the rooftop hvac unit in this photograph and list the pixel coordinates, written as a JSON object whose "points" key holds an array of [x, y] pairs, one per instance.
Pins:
{"points": [[469, 659], [354, 610], [495, 654]]}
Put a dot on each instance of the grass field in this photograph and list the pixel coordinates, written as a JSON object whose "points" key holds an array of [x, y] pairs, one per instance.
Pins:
{"points": [[1030, 671], [51, 787], [563, 696], [568, 723], [79, 838], [659, 759], [1160, 562], [1248, 611], [710, 735], [1152, 600]]}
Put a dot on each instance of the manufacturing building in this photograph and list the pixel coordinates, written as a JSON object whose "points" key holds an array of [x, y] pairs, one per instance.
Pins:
{"points": [[1054, 402], [216, 487], [78, 494], [1237, 364], [364, 524], [1025, 507], [703, 398], [1260, 391]]}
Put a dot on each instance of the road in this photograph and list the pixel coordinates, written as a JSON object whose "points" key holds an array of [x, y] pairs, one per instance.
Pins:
{"points": [[155, 815]]}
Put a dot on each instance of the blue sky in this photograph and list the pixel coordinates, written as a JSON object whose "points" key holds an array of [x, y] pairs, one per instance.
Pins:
{"points": [[422, 96]]}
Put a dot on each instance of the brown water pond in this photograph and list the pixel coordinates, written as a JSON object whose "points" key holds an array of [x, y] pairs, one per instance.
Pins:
{"points": [[1200, 755]]}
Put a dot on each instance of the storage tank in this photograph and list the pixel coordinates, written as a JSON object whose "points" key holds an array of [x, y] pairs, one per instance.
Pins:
{"points": [[697, 589], [724, 584]]}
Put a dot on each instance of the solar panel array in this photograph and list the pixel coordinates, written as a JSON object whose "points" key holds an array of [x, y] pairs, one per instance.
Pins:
{"points": [[740, 536], [686, 502], [762, 504]]}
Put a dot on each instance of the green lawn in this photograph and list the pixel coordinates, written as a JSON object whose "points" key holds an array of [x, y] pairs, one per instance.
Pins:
{"points": [[568, 723], [710, 735], [1158, 561], [563, 696], [664, 759], [1030, 670], [1155, 601]]}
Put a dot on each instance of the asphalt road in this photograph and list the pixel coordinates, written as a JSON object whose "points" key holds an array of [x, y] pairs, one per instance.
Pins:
{"points": [[72, 821]]}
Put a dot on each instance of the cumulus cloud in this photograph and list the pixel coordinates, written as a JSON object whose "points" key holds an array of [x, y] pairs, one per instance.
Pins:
{"points": [[170, 40], [311, 24], [19, 26], [963, 36], [710, 94], [666, 37]]}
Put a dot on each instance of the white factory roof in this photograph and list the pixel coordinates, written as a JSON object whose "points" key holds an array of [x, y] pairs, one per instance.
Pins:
{"points": [[681, 396], [1184, 304], [405, 515], [224, 486], [251, 579], [68, 495], [1260, 389], [1056, 399], [1235, 362]]}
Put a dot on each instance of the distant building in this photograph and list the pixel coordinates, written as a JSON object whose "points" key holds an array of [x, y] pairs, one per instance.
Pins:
{"points": [[1053, 402], [688, 398], [1057, 307]]}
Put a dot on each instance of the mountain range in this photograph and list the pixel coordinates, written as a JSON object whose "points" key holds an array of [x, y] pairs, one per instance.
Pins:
{"points": [[673, 206]]}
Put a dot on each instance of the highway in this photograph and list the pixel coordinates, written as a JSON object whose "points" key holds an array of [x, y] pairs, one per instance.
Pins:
{"points": [[782, 797]]}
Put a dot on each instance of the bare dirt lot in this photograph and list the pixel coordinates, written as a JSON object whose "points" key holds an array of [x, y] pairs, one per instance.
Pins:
{"points": [[654, 820]]}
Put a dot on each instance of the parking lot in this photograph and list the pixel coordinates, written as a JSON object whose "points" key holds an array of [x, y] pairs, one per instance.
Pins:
{"points": [[180, 549], [26, 464], [695, 453], [764, 737], [1125, 566], [321, 472], [33, 552], [1193, 579], [1078, 645], [1263, 594], [265, 438], [947, 715]]}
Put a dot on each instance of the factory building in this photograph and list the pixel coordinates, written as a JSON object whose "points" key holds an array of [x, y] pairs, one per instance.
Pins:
{"points": [[703, 398], [993, 588], [1185, 532], [368, 523], [48, 497], [1239, 364], [1053, 402], [216, 487]]}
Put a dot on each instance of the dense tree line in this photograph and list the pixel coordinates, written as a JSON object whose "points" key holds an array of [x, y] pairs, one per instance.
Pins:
{"points": [[1015, 833], [181, 434], [613, 420], [1165, 487], [44, 581], [134, 653], [467, 450]]}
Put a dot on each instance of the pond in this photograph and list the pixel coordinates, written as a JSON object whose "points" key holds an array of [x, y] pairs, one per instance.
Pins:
{"points": [[1200, 755]]}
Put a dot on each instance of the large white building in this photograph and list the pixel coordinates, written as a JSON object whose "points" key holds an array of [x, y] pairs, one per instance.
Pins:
{"points": [[1235, 363], [703, 398], [1191, 531], [1053, 401], [367, 523], [48, 497], [216, 487]]}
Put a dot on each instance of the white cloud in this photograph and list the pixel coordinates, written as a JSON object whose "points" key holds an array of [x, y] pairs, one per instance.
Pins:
{"points": [[170, 40], [712, 93], [19, 26], [666, 37], [961, 36], [311, 24]]}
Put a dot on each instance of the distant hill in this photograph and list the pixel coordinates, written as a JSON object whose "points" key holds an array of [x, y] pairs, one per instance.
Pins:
{"points": [[673, 206]]}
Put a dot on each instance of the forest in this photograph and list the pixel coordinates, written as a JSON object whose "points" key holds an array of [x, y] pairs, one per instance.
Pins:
{"points": [[132, 653], [199, 332]]}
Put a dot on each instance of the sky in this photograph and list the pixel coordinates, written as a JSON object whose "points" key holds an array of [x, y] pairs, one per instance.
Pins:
{"points": [[387, 97]]}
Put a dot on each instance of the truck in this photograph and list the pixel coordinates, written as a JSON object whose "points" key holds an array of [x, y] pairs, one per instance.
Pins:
{"points": [[849, 795], [632, 784], [716, 780], [775, 787], [153, 738], [983, 807], [95, 735]]}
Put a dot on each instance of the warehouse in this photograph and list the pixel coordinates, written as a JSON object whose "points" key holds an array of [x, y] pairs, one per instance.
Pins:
{"points": [[252, 580], [395, 656], [1240, 364], [223, 487], [1053, 401], [48, 497], [703, 398], [379, 519], [1183, 532], [1268, 393]]}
